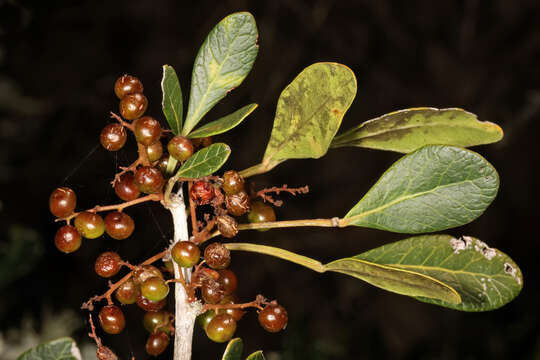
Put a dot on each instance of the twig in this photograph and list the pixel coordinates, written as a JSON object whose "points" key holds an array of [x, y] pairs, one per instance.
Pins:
{"points": [[103, 352], [263, 193], [257, 303]]}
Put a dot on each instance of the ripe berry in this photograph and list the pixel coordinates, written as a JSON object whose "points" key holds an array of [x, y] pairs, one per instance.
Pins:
{"points": [[119, 225], [89, 225], [202, 192], [154, 289], [236, 313], [273, 318], [211, 292], [233, 183], [154, 151], [62, 202], [67, 239], [217, 256], [228, 281], [126, 85], [125, 187], [113, 137], [205, 318], [180, 147], [108, 264], [133, 106], [221, 328], [185, 253], [147, 130], [112, 319], [153, 320], [261, 212], [227, 226], [237, 204], [148, 305], [145, 272], [127, 292], [157, 343], [148, 180]]}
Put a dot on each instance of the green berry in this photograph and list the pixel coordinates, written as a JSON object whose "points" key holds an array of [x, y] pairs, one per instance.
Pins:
{"points": [[90, 225], [180, 147], [205, 318], [186, 254], [154, 289], [154, 151], [221, 328], [154, 320]]}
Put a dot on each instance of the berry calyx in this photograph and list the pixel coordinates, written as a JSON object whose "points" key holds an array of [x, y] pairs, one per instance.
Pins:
{"points": [[211, 292], [186, 254], [145, 272], [154, 151], [180, 147], [108, 264], [153, 320], [133, 106], [148, 180], [221, 328], [67, 239], [157, 343], [89, 225], [202, 192], [126, 85], [148, 305], [237, 204], [261, 212], [154, 289], [227, 281], [227, 226], [147, 130], [62, 202], [112, 319], [113, 137], [125, 187], [233, 183], [273, 318], [217, 256], [127, 292], [119, 225]]}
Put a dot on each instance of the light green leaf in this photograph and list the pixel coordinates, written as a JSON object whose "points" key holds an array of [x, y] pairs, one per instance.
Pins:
{"points": [[60, 349], [485, 278], [410, 129], [172, 99], [224, 60], [434, 188], [234, 350], [205, 162], [224, 124], [257, 355]]}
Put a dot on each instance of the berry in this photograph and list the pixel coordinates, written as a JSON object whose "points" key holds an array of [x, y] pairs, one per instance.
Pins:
{"points": [[145, 272], [125, 187], [154, 289], [148, 305], [147, 130], [90, 225], [237, 204], [273, 318], [261, 212], [127, 292], [205, 318], [133, 106], [154, 151], [221, 328], [157, 343], [119, 225], [202, 192], [148, 180], [211, 292], [153, 320], [62, 202], [227, 226], [108, 264], [233, 183], [236, 313], [185, 253], [113, 137], [217, 256], [163, 163], [180, 147], [227, 281], [112, 319], [67, 239], [126, 85]]}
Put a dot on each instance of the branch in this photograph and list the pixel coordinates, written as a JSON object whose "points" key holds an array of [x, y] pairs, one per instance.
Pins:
{"points": [[263, 193], [257, 303]]}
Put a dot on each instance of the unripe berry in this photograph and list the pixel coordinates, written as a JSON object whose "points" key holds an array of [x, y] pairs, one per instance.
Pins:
{"points": [[180, 147], [108, 264], [154, 289], [221, 328], [202, 192], [157, 343], [233, 183], [148, 180], [89, 225], [133, 106], [112, 319], [154, 151], [228, 281], [237, 204], [261, 212], [205, 318], [217, 256], [125, 187], [148, 305], [153, 320], [227, 226], [127, 292], [113, 137], [147, 130], [145, 272], [67, 239], [185, 253], [119, 225], [126, 85], [273, 318], [62, 202]]}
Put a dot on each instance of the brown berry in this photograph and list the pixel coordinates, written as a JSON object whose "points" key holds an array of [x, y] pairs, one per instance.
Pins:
{"points": [[217, 256], [108, 264], [154, 320], [228, 281], [233, 183], [236, 313], [127, 292], [126, 85], [133, 106], [125, 187], [62, 202], [147, 130], [148, 180], [211, 292], [67, 239], [185, 253], [113, 137], [261, 212], [148, 305], [90, 225], [202, 192], [154, 151], [273, 318], [157, 343], [180, 147], [112, 319], [227, 226], [237, 204], [119, 225]]}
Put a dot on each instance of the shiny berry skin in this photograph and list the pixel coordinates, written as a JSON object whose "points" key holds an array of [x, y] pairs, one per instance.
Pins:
{"points": [[133, 106], [228, 281], [67, 239], [147, 130], [237, 204], [221, 328], [157, 343], [162, 165], [148, 180], [236, 313], [205, 318], [273, 318], [153, 320], [146, 272], [261, 212], [108, 264], [90, 225], [202, 192], [125, 187], [127, 292], [113, 137], [154, 289], [119, 225], [227, 226], [148, 305], [154, 151], [112, 319], [126, 85], [211, 292], [217, 256], [233, 183], [180, 147], [62, 202], [186, 254]]}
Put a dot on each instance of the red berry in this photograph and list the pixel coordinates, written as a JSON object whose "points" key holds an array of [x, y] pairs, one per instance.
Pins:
{"points": [[157, 343], [180, 147], [221, 328], [233, 183], [154, 289], [113, 137], [228, 281], [148, 180], [119, 225], [148, 305], [126, 85], [147, 130], [127, 292], [67, 239], [217, 256], [125, 188], [185, 253], [133, 106], [108, 264], [90, 225], [202, 192], [273, 318], [112, 319], [154, 151], [62, 202]]}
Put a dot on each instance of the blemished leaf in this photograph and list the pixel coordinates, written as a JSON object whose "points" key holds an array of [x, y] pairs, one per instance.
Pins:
{"points": [[234, 350], [436, 187], [410, 129], [485, 278], [172, 102], [205, 161], [224, 124], [257, 355], [222, 63], [60, 349]]}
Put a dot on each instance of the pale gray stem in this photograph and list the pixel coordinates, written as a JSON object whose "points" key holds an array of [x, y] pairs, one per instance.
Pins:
{"points": [[185, 312]]}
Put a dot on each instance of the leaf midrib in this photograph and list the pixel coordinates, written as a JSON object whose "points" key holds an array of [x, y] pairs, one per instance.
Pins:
{"points": [[207, 158]]}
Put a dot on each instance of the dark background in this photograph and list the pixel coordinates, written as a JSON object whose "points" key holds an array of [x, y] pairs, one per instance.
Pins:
{"points": [[58, 64]]}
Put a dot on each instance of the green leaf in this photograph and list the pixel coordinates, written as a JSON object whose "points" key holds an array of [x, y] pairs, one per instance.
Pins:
{"points": [[257, 355], [60, 349], [172, 99], [205, 162], [234, 350], [407, 130], [485, 278], [224, 124], [224, 60], [434, 188]]}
